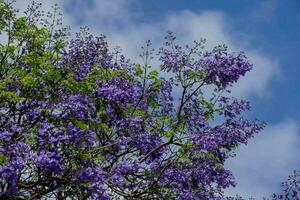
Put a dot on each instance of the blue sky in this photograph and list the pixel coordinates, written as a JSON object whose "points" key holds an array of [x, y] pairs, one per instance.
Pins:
{"points": [[267, 30]]}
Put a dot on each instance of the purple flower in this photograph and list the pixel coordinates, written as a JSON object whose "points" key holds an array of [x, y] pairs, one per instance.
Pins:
{"points": [[97, 126]]}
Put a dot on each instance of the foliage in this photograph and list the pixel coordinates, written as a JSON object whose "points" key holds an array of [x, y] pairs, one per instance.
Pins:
{"points": [[79, 121], [291, 188]]}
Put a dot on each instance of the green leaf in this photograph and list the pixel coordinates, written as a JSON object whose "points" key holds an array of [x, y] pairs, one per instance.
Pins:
{"points": [[153, 103], [11, 96], [81, 124], [153, 74], [208, 116], [138, 70], [29, 81], [169, 133], [2, 159], [98, 158], [184, 159]]}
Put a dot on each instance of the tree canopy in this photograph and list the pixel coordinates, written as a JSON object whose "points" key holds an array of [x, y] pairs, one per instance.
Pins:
{"points": [[81, 121]]}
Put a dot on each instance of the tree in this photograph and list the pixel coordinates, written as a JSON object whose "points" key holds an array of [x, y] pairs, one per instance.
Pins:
{"points": [[79, 121], [291, 188]]}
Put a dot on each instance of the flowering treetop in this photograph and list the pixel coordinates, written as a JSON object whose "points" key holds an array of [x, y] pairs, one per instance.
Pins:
{"points": [[80, 121]]}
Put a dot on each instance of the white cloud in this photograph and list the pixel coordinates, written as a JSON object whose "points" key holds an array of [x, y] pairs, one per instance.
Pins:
{"points": [[3, 38], [116, 19], [266, 161], [257, 81], [110, 14], [265, 10], [119, 25]]}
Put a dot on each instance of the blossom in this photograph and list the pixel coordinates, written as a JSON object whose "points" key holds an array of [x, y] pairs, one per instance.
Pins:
{"points": [[84, 122]]}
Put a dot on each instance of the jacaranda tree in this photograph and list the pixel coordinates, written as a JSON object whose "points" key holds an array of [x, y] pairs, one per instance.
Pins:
{"points": [[80, 121]]}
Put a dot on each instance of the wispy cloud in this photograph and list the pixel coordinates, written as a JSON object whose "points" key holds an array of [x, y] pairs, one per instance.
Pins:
{"points": [[116, 19], [103, 14], [265, 10], [267, 160]]}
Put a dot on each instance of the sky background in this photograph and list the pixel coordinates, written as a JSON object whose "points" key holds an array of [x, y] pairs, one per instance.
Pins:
{"points": [[267, 30]]}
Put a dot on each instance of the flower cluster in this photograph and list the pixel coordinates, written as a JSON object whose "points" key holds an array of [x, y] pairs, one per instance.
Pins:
{"points": [[291, 188], [84, 122]]}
